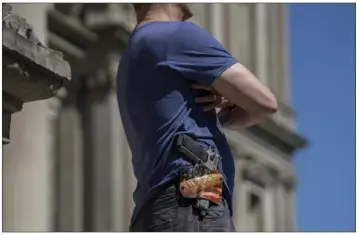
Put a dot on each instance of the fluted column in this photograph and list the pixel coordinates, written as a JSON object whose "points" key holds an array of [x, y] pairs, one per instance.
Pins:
{"points": [[217, 18], [123, 181], [269, 212], [28, 159], [261, 39], [69, 170]]}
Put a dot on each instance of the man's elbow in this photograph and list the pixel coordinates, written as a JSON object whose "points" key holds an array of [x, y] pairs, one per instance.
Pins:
{"points": [[269, 105]]}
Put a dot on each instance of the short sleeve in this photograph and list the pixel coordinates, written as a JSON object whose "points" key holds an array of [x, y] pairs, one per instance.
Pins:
{"points": [[197, 55]]}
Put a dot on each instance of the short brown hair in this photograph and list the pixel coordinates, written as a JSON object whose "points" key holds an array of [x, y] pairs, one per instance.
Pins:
{"points": [[137, 6]]}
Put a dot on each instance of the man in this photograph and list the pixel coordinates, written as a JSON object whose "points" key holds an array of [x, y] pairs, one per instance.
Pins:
{"points": [[171, 79]]}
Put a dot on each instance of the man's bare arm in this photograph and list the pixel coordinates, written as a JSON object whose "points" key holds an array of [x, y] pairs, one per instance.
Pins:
{"points": [[254, 99], [237, 118]]}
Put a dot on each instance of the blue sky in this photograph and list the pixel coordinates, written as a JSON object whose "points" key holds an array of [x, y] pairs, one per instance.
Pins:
{"points": [[322, 47]]}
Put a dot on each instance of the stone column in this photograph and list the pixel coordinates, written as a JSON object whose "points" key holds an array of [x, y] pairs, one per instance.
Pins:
{"points": [[69, 169], [239, 197], [278, 50], [293, 211], [28, 159], [119, 168], [109, 182], [283, 24], [123, 180], [261, 41], [242, 222], [216, 16], [200, 14], [289, 213], [284, 203], [269, 212], [97, 160], [280, 208]]}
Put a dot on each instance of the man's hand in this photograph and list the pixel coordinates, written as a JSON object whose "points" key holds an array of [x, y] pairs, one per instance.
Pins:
{"points": [[230, 115], [211, 101]]}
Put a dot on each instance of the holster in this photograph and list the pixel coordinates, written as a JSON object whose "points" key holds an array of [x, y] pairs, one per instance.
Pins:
{"points": [[207, 186], [202, 181]]}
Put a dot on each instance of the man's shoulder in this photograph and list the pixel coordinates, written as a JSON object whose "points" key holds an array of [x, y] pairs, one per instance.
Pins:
{"points": [[154, 33], [165, 31], [191, 26], [170, 29], [192, 34], [190, 29], [174, 28]]}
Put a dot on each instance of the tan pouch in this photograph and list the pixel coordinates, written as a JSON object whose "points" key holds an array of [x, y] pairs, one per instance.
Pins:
{"points": [[208, 187]]}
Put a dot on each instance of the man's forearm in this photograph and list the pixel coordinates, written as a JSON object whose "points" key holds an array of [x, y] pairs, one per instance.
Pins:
{"points": [[238, 118]]}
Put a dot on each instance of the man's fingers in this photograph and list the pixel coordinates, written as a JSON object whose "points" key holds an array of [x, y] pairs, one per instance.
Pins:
{"points": [[209, 107], [205, 99], [219, 101], [201, 87], [212, 101], [206, 88]]}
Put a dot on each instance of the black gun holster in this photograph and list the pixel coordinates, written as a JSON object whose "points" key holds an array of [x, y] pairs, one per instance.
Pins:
{"points": [[204, 162]]}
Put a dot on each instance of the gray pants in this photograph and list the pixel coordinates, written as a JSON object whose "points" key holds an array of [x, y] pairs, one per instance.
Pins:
{"points": [[169, 212]]}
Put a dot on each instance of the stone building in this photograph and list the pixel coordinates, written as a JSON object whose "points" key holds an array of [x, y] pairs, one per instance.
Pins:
{"points": [[68, 167]]}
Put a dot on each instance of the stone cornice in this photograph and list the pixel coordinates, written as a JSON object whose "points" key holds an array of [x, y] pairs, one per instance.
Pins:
{"points": [[111, 16], [255, 171], [264, 175], [71, 28], [31, 71], [23, 56], [105, 31], [279, 137]]}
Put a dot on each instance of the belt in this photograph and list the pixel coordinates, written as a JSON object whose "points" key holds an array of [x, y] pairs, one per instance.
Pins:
{"points": [[204, 181]]}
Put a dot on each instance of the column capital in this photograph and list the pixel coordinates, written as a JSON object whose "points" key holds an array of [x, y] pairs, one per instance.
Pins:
{"points": [[31, 71], [285, 178], [256, 171]]}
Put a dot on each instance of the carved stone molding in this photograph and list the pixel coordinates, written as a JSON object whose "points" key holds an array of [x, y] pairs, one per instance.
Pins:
{"points": [[264, 175], [31, 71], [105, 29], [283, 139], [289, 181], [282, 177], [110, 15], [256, 171]]}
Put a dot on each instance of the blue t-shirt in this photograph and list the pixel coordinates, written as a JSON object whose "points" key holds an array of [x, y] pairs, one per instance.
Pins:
{"points": [[156, 101]]}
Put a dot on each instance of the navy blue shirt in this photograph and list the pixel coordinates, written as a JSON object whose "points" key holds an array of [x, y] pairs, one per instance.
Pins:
{"points": [[156, 101]]}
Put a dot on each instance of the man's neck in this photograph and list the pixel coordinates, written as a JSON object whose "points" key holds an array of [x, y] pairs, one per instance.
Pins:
{"points": [[160, 12]]}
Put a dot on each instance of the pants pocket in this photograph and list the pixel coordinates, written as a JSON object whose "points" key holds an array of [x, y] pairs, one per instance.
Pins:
{"points": [[215, 211], [218, 219], [161, 213]]}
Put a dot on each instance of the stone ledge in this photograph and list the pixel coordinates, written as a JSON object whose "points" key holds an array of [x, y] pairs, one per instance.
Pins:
{"points": [[71, 29], [280, 137], [30, 54], [265, 175], [112, 15], [31, 71]]}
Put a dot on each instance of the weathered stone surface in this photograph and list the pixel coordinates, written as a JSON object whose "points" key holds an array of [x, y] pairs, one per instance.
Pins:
{"points": [[31, 71], [6, 121], [256, 171], [110, 15], [18, 24], [28, 63], [281, 138]]}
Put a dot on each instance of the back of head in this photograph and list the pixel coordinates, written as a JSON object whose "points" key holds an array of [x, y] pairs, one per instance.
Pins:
{"points": [[137, 6], [175, 10]]}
